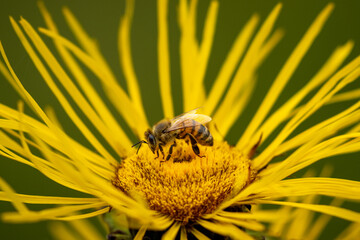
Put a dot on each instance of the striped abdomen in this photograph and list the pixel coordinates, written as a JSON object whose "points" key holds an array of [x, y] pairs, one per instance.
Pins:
{"points": [[201, 134]]}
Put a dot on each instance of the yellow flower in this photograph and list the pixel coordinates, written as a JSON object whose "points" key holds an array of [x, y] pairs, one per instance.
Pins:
{"points": [[177, 191]]}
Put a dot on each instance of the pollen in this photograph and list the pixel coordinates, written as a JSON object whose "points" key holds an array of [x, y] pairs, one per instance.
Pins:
{"points": [[186, 186]]}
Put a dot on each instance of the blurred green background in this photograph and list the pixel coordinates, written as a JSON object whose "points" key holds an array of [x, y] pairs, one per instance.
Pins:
{"points": [[101, 21]]}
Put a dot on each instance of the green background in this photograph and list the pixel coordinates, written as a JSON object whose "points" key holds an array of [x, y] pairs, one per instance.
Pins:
{"points": [[101, 21]]}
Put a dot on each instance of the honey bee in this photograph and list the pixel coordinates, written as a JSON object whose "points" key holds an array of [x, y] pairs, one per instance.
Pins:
{"points": [[189, 124]]}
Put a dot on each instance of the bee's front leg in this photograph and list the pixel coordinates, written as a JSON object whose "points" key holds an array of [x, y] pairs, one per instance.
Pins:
{"points": [[161, 150], [170, 151]]}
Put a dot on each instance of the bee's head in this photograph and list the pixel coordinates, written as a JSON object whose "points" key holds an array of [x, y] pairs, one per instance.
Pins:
{"points": [[151, 140]]}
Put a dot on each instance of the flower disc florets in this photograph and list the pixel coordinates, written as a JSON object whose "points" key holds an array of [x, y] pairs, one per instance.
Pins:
{"points": [[186, 186]]}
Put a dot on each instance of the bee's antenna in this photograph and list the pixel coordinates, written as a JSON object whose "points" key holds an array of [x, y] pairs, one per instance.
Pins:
{"points": [[141, 142]]}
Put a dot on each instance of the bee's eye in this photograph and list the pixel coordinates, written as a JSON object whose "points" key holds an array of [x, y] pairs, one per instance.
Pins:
{"points": [[151, 139]]}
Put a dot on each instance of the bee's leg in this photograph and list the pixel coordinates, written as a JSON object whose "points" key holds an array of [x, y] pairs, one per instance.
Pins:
{"points": [[161, 150], [194, 145], [170, 151], [157, 154]]}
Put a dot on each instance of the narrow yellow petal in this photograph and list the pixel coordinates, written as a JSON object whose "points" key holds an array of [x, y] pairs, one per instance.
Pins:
{"points": [[89, 44], [164, 59], [28, 99], [5, 72], [224, 118], [246, 71], [75, 216], [285, 74], [52, 170], [277, 228], [269, 45], [115, 93], [140, 234], [13, 197], [225, 229], [51, 113], [126, 59], [86, 230], [198, 90], [188, 49], [337, 145], [346, 96], [34, 199], [7, 143], [172, 232], [61, 232], [71, 88], [302, 220], [330, 210], [251, 225], [352, 232], [67, 107], [198, 234], [229, 65], [183, 233], [260, 215], [327, 91], [320, 223], [44, 133], [330, 66], [336, 123], [91, 94], [63, 213], [7, 153]]}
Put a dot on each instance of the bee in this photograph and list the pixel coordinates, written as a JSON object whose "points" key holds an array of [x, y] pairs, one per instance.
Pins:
{"points": [[189, 124]]}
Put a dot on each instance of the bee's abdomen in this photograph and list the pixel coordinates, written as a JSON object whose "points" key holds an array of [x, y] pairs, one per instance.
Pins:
{"points": [[203, 136], [199, 132]]}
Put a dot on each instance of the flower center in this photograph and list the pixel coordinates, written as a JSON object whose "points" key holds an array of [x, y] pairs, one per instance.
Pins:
{"points": [[186, 186]]}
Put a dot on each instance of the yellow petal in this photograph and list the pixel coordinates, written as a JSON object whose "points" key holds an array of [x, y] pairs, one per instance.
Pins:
{"points": [[225, 230], [198, 234], [245, 75], [61, 232], [34, 199], [140, 234], [183, 233], [330, 210], [91, 94], [346, 96], [164, 59], [13, 198], [115, 93], [251, 225], [285, 74], [334, 85], [172, 232], [352, 232], [64, 213], [126, 59], [229, 65], [318, 226], [86, 230], [331, 65], [71, 113], [188, 49], [198, 90], [310, 186]]}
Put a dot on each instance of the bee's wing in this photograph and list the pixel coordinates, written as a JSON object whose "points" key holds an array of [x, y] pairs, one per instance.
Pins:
{"points": [[188, 119], [186, 113]]}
